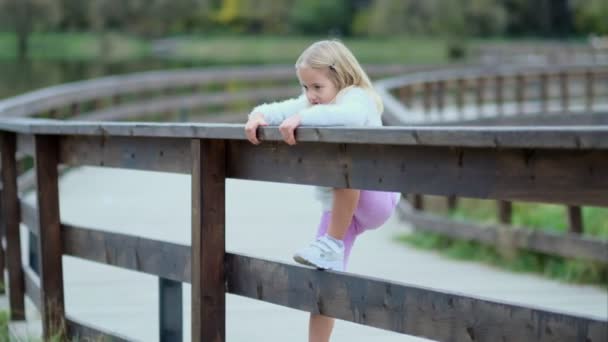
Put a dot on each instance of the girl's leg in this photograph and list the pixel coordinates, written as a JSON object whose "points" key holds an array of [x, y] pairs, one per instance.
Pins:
{"points": [[319, 328], [371, 209], [343, 208], [339, 224]]}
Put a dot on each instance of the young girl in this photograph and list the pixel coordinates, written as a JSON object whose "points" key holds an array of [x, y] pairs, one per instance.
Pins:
{"points": [[336, 91]]}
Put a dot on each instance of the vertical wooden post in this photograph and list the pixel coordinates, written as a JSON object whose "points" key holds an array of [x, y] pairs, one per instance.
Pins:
{"points": [[170, 310], [498, 93], [589, 91], [575, 219], [479, 95], [51, 270], [520, 84], [452, 202], [208, 240], [116, 99], [11, 215], [544, 92], [405, 94], [460, 89], [440, 96], [75, 109], [427, 94], [565, 93], [417, 201], [505, 210]]}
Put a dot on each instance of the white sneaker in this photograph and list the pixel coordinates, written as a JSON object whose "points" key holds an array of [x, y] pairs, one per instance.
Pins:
{"points": [[323, 253]]}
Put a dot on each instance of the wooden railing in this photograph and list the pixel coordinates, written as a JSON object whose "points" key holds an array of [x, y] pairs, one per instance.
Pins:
{"points": [[593, 51], [476, 95], [208, 95], [496, 163], [440, 161], [522, 96]]}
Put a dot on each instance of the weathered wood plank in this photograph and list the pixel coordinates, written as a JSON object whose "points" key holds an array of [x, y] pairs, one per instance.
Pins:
{"points": [[575, 219], [164, 259], [208, 240], [80, 331], [554, 176], [579, 137], [51, 269], [152, 154], [505, 211], [535, 119], [563, 244], [11, 219], [402, 308]]}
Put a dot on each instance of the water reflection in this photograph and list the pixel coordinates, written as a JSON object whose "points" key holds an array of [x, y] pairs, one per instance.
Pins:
{"points": [[17, 77]]}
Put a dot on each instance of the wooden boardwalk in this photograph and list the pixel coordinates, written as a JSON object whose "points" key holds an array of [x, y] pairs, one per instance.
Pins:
{"points": [[267, 220]]}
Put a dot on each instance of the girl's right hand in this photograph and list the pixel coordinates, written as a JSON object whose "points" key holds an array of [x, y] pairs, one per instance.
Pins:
{"points": [[251, 127]]}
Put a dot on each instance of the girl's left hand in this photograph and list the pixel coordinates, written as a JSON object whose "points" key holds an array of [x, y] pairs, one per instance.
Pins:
{"points": [[287, 128]]}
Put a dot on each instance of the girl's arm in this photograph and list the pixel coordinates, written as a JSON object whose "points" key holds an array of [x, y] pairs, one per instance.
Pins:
{"points": [[351, 109], [276, 112]]}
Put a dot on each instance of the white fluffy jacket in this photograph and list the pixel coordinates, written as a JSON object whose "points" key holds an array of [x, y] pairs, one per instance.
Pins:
{"points": [[353, 106]]}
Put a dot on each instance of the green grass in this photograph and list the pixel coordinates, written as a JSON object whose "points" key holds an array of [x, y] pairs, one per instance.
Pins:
{"points": [[551, 217], [554, 267], [75, 46], [531, 215], [220, 50], [285, 50], [4, 317]]}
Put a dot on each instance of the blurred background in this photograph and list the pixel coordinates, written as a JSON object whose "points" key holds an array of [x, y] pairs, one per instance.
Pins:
{"points": [[48, 42], [51, 42]]}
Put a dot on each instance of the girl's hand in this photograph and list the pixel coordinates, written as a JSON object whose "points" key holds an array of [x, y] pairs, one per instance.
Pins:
{"points": [[288, 127], [251, 127]]}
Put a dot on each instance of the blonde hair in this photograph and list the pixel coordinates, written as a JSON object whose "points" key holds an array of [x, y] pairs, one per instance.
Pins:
{"points": [[342, 67]]}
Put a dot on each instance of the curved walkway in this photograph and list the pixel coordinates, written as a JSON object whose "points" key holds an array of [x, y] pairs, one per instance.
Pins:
{"points": [[268, 220]]}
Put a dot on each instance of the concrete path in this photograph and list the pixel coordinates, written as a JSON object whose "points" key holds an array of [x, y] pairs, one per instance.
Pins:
{"points": [[267, 220]]}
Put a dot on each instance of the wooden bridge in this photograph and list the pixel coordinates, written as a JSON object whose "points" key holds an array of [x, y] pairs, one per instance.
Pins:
{"points": [[558, 164]]}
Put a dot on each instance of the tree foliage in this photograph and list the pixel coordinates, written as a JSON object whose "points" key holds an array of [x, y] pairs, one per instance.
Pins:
{"points": [[449, 18]]}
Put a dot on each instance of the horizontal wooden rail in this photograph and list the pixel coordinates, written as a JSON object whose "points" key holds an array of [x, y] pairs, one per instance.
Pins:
{"points": [[402, 308], [409, 162], [164, 259], [564, 137], [476, 72], [562, 244], [596, 119], [383, 304]]}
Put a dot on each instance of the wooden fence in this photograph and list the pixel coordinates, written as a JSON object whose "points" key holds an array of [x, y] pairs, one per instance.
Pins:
{"points": [[550, 164], [437, 161], [567, 95]]}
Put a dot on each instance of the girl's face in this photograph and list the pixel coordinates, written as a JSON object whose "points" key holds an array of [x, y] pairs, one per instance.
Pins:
{"points": [[318, 87]]}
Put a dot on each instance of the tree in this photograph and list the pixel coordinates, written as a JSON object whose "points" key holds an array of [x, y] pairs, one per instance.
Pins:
{"points": [[26, 16], [591, 16], [322, 17]]}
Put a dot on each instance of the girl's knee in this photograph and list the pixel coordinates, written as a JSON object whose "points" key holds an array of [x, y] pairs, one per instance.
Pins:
{"points": [[377, 209]]}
